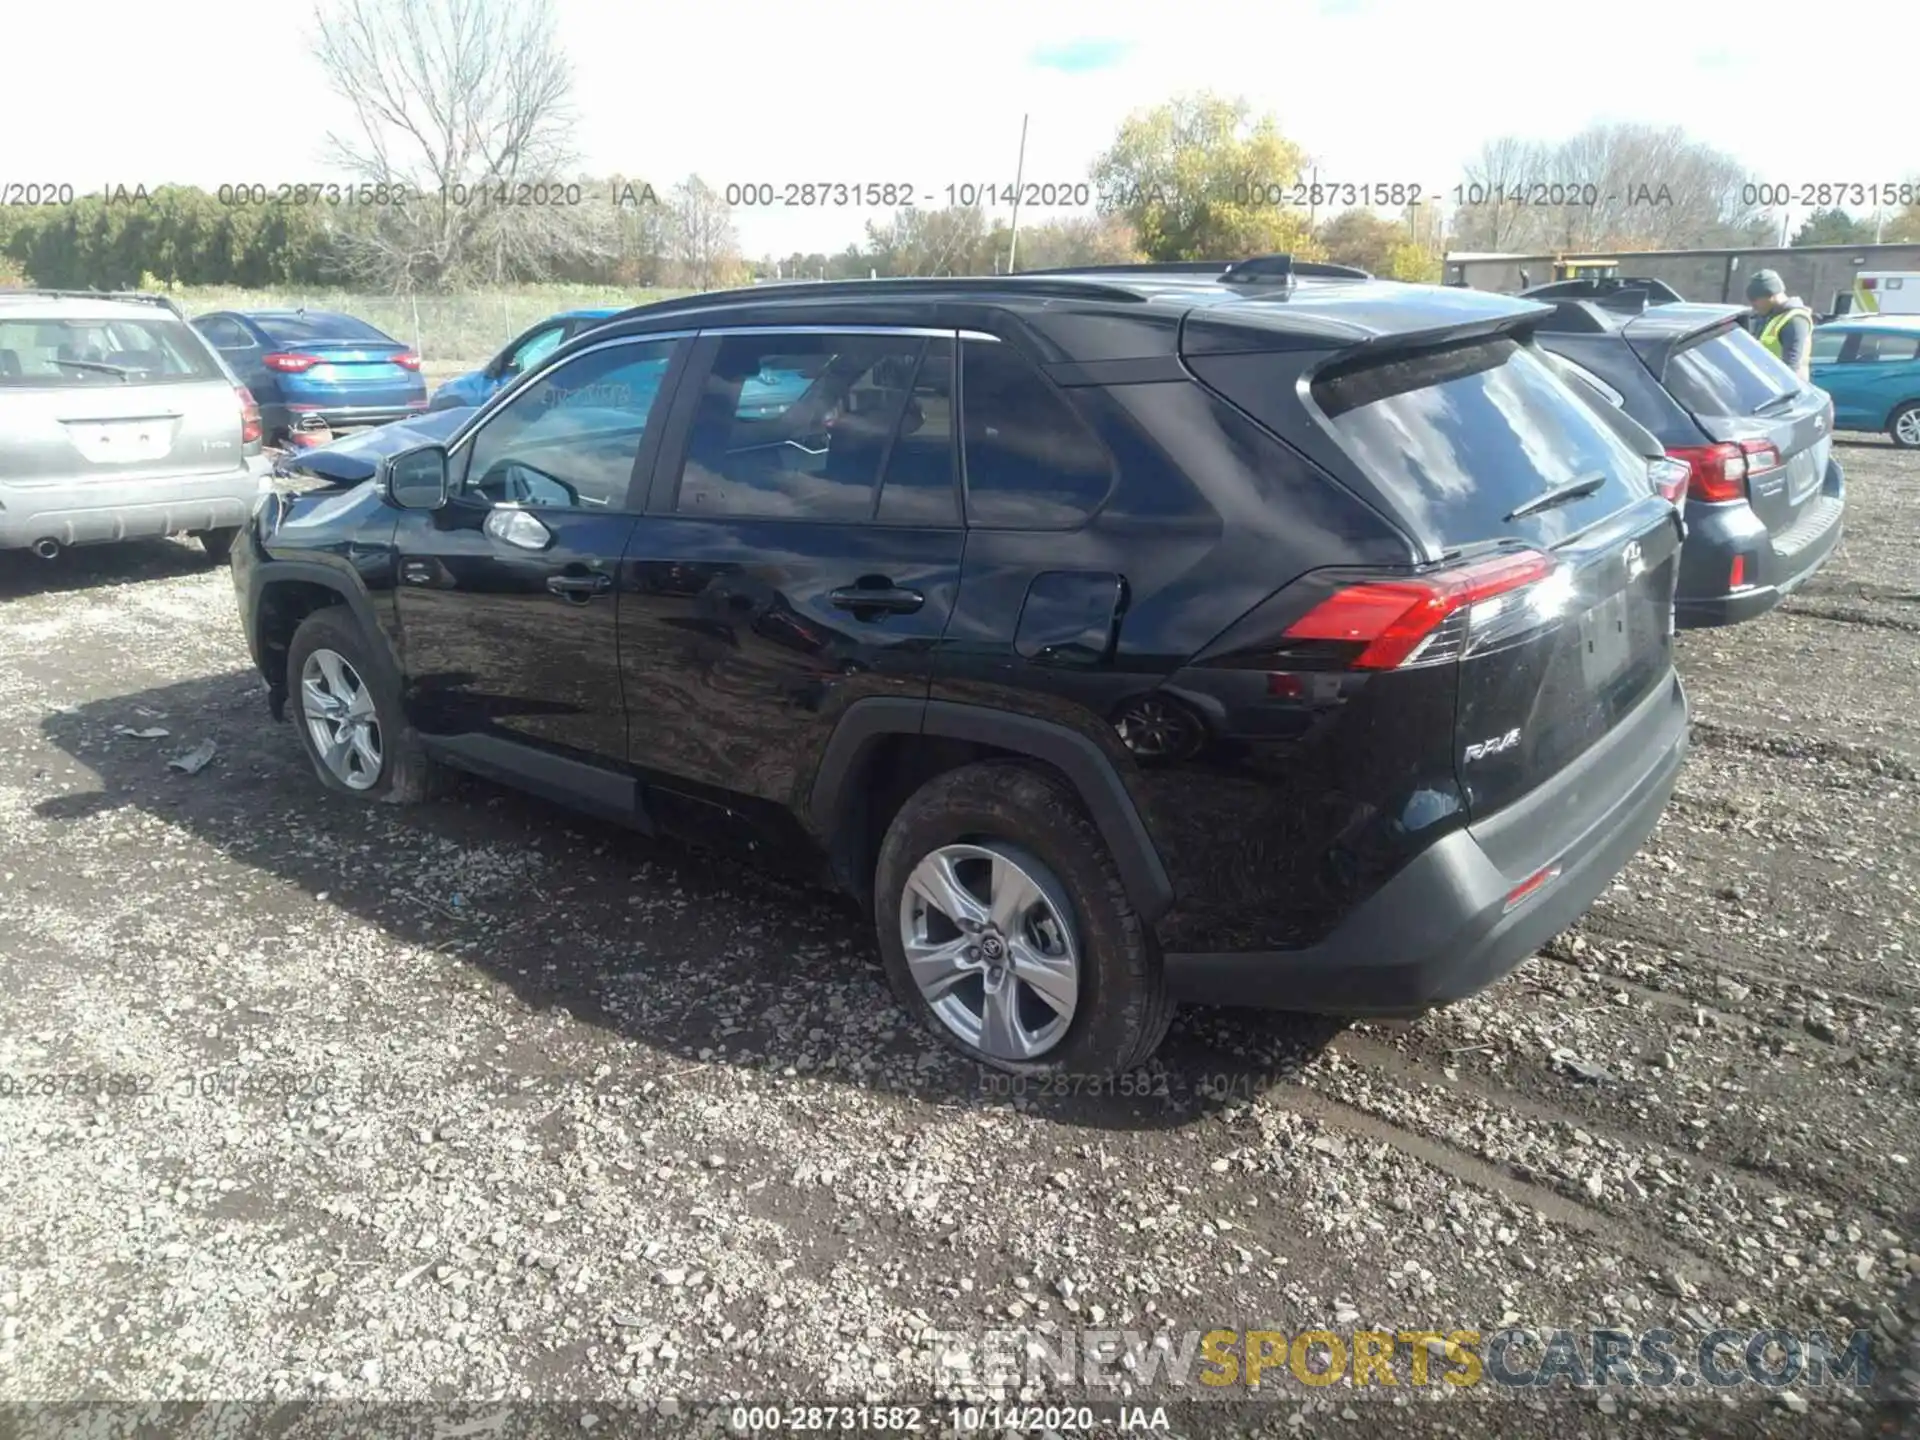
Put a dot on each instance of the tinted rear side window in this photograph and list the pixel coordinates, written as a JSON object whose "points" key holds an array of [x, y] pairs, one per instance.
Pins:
{"points": [[1463, 437], [1728, 373], [293, 329], [1032, 462]]}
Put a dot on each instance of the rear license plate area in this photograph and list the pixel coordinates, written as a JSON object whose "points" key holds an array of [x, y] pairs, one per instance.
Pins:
{"points": [[1804, 472], [1606, 639], [121, 442]]}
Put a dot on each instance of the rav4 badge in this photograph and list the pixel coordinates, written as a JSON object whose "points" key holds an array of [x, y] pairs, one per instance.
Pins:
{"points": [[1480, 749]]}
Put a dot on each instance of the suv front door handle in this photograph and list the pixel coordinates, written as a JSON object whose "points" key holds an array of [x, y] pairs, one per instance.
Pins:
{"points": [[579, 587], [880, 599]]}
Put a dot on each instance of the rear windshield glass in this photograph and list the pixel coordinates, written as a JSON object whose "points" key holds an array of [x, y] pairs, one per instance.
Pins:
{"points": [[38, 354], [1728, 373], [1464, 437], [294, 329]]}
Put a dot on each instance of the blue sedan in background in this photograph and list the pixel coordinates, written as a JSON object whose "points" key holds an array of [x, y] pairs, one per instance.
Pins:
{"points": [[301, 363], [527, 350], [1870, 365]]}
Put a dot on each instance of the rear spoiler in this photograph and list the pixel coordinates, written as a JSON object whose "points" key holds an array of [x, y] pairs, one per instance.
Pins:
{"points": [[1351, 345]]}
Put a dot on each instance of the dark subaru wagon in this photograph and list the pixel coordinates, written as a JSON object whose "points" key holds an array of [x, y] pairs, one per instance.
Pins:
{"points": [[1260, 634]]}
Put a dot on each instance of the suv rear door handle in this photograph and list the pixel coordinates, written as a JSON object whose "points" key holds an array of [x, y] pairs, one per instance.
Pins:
{"points": [[579, 587], [887, 599]]}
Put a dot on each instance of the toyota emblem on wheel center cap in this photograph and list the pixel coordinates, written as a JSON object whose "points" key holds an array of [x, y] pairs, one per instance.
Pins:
{"points": [[991, 947]]}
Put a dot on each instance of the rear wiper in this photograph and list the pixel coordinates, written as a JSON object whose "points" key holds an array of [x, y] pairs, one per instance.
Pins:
{"points": [[1767, 407], [94, 365], [1561, 494]]}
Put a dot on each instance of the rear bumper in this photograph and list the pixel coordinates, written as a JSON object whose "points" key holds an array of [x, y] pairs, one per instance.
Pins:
{"points": [[1440, 930], [96, 512], [279, 417], [1776, 564]]}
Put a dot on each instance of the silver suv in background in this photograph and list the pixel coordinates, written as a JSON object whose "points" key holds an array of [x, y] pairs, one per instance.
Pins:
{"points": [[118, 422]]}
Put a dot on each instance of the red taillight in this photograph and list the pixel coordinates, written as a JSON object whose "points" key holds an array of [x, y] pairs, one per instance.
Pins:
{"points": [[407, 362], [249, 415], [1737, 576], [1670, 479], [1761, 456], [1714, 472], [1394, 619], [289, 363]]}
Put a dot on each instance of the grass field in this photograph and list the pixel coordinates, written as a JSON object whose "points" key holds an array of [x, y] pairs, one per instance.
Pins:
{"points": [[451, 332]]}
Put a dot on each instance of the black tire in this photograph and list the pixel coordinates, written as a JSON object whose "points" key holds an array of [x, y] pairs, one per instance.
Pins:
{"points": [[407, 775], [218, 543], [1910, 415], [1123, 1008]]}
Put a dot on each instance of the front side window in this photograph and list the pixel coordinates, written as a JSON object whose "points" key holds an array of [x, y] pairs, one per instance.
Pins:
{"points": [[797, 426], [570, 439], [71, 354], [1827, 346], [534, 349]]}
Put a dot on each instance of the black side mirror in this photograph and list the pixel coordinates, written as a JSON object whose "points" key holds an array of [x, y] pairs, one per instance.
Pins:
{"points": [[416, 479]]}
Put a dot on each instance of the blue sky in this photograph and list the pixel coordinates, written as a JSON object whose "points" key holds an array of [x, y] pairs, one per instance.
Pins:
{"points": [[899, 91]]}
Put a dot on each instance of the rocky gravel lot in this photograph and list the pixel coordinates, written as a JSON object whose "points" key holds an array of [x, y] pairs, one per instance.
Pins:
{"points": [[484, 1101]]}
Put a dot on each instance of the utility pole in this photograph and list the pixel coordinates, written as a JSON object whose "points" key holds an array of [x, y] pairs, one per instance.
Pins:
{"points": [[1019, 180]]}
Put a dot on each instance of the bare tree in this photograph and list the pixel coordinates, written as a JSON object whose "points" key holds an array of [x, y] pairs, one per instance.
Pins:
{"points": [[700, 236], [461, 108], [1493, 213], [1626, 187]]}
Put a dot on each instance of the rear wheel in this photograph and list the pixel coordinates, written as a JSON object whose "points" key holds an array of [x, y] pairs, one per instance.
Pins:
{"points": [[349, 717], [1904, 428], [1005, 929], [217, 543]]}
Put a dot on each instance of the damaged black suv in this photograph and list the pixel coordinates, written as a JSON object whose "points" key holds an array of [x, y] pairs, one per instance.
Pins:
{"points": [[1259, 634]]}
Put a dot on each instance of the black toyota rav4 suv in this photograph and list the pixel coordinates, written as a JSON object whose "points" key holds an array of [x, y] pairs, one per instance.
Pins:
{"points": [[1261, 634]]}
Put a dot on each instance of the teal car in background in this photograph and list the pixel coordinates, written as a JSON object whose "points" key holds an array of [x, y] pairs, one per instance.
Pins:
{"points": [[476, 387], [1871, 368]]}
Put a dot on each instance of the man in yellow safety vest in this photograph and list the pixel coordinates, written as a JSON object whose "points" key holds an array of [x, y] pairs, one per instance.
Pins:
{"points": [[1783, 322]]}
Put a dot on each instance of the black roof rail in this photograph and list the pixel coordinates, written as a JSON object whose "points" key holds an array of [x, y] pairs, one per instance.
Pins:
{"points": [[803, 290], [1254, 270], [145, 296]]}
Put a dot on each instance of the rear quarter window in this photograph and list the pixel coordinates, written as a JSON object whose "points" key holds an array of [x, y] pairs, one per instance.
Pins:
{"points": [[1728, 373], [1463, 437]]}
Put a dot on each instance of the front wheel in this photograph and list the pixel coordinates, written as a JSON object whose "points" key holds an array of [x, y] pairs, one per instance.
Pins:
{"points": [[348, 714], [1904, 429], [1005, 929]]}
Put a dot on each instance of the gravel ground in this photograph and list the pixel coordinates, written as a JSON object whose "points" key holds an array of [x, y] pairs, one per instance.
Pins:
{"points": [[482, 1100]]}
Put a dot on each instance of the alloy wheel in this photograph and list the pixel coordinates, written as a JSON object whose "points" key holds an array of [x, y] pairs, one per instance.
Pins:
{"points": [[1907, 427], [990, 942], [1155, 728], [341, 719]]}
